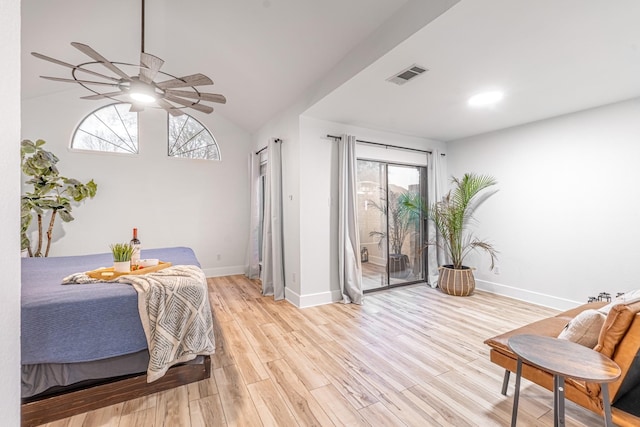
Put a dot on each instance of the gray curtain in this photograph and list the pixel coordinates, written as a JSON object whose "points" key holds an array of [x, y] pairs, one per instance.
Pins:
{"points": [[350, 269], [253, 251], [437, 185], [272, 239]]}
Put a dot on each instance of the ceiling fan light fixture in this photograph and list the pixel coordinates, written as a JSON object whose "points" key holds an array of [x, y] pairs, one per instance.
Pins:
{"points": [[142, 97], [142, 92], [486, 99]]}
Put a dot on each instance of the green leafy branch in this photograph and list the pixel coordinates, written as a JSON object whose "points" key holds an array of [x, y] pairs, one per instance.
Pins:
{"points": [[50, 193]]}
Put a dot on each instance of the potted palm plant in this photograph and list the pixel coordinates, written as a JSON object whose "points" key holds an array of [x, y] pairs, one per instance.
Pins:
{"points": [[451, 217]]}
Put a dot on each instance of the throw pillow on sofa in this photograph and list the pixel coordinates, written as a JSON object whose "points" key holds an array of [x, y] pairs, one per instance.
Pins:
{"points": [[584, 329]]}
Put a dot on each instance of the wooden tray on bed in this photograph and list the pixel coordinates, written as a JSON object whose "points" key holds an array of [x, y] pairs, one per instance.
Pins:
{"points": [[109, 274]]}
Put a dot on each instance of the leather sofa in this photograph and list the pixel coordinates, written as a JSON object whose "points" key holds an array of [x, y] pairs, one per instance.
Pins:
{"points": [[619, 339]]}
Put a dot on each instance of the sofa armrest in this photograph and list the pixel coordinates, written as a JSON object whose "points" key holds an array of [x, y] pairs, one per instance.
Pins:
{"points": [[549, 327]]}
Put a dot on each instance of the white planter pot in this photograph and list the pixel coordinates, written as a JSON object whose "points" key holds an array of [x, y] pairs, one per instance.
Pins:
{"points": [[122, 266]]}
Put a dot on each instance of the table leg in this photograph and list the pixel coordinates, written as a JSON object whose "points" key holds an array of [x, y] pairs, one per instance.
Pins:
{"points": [[607, 405], [505, 382], [558, 400], [516, 394], [555, 400]]}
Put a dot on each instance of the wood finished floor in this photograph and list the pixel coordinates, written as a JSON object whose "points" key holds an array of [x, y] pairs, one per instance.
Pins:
{"points": [[408, 357]]}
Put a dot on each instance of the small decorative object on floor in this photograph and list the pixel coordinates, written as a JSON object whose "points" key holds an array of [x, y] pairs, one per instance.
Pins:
{"points": [[364, 254], [604, 296]]}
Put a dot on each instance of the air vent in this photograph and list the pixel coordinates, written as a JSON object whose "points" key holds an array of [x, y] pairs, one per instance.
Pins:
{"points": [[407, 74]]}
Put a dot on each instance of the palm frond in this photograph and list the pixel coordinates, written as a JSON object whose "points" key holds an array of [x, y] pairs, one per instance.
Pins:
{"points": [[452, 215]]}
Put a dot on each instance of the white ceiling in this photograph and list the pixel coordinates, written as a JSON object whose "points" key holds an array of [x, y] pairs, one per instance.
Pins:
{"points": [[549, 57]]}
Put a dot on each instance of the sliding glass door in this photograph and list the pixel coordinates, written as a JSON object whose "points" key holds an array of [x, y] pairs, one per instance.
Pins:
{"points": [[391, 238]]}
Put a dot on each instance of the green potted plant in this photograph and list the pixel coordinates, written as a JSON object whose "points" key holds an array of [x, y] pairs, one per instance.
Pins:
{"points": [[51, 193], [122, 257], [451, 217]]}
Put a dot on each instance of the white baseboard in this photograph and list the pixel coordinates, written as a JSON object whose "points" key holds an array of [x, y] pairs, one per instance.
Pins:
{"points": [[292, 297], [526, 295], [311, 300], [224, 271]]}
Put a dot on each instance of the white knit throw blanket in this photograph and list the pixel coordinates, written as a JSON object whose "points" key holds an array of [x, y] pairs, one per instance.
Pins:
{"points": [[175, 313]]}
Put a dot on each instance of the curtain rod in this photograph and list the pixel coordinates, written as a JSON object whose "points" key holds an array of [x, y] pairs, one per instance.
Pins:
{"points": [[384, 145], [265, 147]]}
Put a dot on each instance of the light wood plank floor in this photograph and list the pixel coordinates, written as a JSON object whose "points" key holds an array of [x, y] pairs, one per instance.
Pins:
{"points": [[408, 357]]}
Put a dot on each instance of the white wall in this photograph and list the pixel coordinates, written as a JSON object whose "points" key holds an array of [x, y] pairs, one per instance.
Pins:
{"points": [[9, 208], [172, 202], [565, 217]]}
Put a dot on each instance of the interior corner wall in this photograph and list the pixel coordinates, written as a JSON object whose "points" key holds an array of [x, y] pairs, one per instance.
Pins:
{"points": [[319, 202], [565, 219], [9, 211], [414, 15], [173, 202], [286, 127]]}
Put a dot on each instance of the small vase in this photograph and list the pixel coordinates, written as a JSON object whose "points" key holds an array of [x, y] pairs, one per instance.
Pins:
{"points": [[122, 266]]}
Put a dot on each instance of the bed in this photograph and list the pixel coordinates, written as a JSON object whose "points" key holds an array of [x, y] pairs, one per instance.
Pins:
{"points": [[87, 342]]}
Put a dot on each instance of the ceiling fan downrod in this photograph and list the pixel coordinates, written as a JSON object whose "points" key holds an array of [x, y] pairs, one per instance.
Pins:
{"points": [[142, 29]]}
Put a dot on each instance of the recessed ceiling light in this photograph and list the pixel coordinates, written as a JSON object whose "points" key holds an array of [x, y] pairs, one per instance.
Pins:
{"points": [[485, 99]]}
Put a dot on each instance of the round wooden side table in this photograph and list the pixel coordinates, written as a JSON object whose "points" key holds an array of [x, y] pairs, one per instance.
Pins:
{"points": [[563, 359]]}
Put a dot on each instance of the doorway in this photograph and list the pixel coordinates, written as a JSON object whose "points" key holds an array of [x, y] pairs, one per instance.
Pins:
{"points": [[391, 238]]}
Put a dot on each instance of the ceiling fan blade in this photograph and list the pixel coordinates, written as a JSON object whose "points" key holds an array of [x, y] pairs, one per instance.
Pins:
{"points": [[192, 80], [136, 108], [204, 108], [64, 64], [212, 97], [84, 82], [103, 95], [87, 50], [150, 66], [170, 108]]}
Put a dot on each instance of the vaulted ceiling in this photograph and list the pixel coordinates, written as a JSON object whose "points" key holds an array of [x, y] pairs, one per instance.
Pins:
{"points": [[548, 57]]}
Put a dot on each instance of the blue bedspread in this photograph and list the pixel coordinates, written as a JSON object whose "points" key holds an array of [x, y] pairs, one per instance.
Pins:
{"points": [[81, 323]]}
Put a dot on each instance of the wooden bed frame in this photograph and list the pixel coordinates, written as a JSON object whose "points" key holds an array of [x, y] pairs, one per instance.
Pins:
{"points": [[36, 411]]}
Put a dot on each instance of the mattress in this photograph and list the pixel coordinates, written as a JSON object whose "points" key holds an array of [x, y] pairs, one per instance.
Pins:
{"points": [[64, 325]]}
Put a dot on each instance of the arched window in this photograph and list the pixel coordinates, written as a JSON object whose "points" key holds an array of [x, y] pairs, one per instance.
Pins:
{"points": [[189, 138], [111, 129]]}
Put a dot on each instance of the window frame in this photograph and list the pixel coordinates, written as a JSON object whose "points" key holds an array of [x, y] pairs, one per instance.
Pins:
{"points": [[117, 153], [204, 127]]}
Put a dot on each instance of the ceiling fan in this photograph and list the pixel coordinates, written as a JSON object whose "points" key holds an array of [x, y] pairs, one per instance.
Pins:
{"points": [[140, 90]]}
